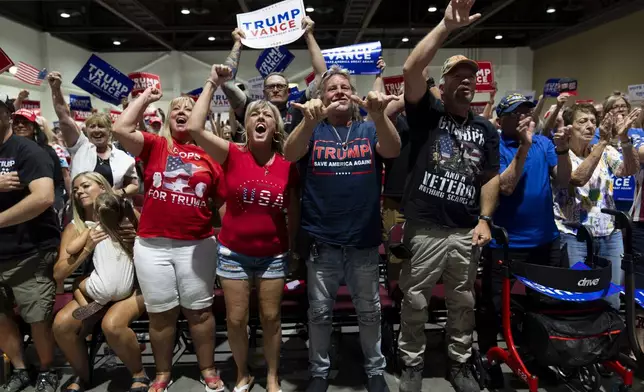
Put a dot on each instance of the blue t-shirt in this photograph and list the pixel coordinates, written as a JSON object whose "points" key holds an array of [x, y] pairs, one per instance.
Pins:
{"points": [[341, 187], [527, 214]]}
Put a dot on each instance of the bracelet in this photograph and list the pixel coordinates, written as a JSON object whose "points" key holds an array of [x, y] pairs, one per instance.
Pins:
{"points": [[87, 250], [564, 152], [211, 81]]}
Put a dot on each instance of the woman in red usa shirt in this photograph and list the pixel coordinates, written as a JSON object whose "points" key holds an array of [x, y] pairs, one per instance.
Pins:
{"points": [[173, 252], [254, 238]]}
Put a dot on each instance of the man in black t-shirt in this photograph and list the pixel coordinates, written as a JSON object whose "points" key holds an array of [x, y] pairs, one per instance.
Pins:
{"points": [[29, 239], [450, 194]]}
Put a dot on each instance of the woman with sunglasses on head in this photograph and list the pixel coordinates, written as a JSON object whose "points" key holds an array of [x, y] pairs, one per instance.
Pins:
{"points": [[173, 253], [254, 239]]}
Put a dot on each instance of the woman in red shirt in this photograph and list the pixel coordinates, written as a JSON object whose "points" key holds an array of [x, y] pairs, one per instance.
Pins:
{"points": [[254, 237], [173, 253]]}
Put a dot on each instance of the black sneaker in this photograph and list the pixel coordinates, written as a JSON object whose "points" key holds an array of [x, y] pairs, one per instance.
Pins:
{"points": [[461, 377], [18, 381], [318, 384], [496, 380], [377, 384], [411, 379], [47, 382]]}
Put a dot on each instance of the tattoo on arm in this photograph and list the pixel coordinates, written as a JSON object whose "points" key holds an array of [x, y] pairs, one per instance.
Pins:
{"points": [[233, 58], [235, 95]]}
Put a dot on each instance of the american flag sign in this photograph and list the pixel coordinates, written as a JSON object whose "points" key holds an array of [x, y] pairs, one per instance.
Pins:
{"points": [[30, 74]]}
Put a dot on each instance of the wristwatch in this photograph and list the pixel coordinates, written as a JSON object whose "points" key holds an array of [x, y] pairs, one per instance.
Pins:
{"points": [[486, 218]]}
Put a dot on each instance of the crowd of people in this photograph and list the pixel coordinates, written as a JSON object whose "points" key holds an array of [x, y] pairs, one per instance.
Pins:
{"points": [[308, 182]]}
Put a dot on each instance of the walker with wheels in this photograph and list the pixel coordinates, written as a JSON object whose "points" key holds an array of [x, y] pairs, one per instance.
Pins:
{"points": [[570, 328]]}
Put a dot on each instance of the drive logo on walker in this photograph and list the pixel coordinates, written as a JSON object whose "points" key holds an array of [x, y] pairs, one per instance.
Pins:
{"points": [[103, 81], [328, 157], [588, 282], [273, 60], [360, 59], [275, 25]]}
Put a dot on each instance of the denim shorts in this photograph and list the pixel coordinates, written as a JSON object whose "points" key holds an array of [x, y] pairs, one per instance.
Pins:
{"points": [[233, 265]]}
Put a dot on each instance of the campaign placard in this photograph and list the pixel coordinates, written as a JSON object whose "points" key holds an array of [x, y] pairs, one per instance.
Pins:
{"points": [[394, 84], [256, 88], [219, 101], [360, 59], [624, 188], [114, 115], [143, 80], [556, 86], [80, 102], [103, 81], [273, 60], [484, 77], [478, 107], [636, 92], [31, 105], [275, 25]]}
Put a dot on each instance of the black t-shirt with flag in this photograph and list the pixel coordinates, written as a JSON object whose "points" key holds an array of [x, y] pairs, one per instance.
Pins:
{"points": [[450, 158], [24, 156]]}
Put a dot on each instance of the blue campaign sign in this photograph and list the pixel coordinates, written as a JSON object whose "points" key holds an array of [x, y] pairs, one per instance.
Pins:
{"points": [[294, 94], [274, 60], [624, 188], [103, 81], [81, 103], [551, 89], [360, 59]]}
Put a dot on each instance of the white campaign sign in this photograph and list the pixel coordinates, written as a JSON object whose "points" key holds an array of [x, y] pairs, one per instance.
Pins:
{"points": [[636, 92], [276, 25], [256, 88], [219, 102]]}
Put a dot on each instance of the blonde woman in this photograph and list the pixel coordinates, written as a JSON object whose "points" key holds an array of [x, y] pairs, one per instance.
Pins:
{"points": [[69, 332], [175, 248], [93, 152]]}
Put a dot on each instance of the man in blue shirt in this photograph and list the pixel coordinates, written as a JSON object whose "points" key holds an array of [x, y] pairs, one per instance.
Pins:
{"points": [[340, 162], [527, 164]]}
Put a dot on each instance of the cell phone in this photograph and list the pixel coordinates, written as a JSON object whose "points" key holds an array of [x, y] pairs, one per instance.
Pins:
{"points": [[401, 251]]}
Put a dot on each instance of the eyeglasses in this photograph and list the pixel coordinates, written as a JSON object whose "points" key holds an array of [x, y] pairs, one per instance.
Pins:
{"points": [[277, 86], [617, 107]]}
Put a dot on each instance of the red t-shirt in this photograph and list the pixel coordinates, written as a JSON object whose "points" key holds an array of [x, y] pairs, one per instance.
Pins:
{"points": [[177, 187], [255, 223]]}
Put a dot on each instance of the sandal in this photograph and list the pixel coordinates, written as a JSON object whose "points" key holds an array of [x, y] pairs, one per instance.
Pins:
{"points": [[247, 387], [213, 380], [161, 386], [141, 380], [87, 311], [75, 380]]}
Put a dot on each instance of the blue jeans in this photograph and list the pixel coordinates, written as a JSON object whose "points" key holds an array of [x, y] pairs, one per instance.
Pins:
{"points": [[610, 247], [327, 266]]}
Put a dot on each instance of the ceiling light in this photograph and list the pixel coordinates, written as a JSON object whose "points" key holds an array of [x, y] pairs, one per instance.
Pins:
{"points": [[309, 9], [498, 36], [551, 10], [13, 70], [64, 15], [432, 9], [116, 43], [185, 11], [211, 38], [405, 39]]}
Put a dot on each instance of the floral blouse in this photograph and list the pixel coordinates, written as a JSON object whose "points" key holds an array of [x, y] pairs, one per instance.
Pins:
{"points": [[583, 204]]}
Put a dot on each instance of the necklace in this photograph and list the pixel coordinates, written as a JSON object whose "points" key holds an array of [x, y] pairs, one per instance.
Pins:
{"points": [[265, 167], [345, 144], [461, 124]]}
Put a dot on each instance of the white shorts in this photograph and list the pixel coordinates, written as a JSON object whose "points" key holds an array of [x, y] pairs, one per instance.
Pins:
{"points": [[175, 272]]}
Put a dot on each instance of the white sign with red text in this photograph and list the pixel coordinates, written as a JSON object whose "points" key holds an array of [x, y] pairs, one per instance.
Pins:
{"points": [[276, 25]]}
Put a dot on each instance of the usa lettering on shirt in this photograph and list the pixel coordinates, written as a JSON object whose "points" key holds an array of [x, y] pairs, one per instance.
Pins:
{"points": [[260, 193], [329, 158]]}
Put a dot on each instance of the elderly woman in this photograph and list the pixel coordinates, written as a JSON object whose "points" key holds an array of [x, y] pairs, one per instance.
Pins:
{"points": [[93, 152], [590, 187], [175, 246], [69, 332], [254, 238]]}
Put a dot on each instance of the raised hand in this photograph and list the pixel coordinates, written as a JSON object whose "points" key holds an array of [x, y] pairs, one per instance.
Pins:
{"points": [[314, 110], [375, 102], [493, 92], [562, 99], [23, 94], [381, 65], [457, 14], [561, 138], [152, 94], [307, 25], [606, 127], [220, 74], [238, 35], [526, 130], [622, 126], [55, 80]]}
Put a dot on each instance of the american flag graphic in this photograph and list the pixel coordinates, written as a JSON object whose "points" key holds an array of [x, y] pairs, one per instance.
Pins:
{"points": [[446, 147], [30, 74], [177, 175], [473, 154]]}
